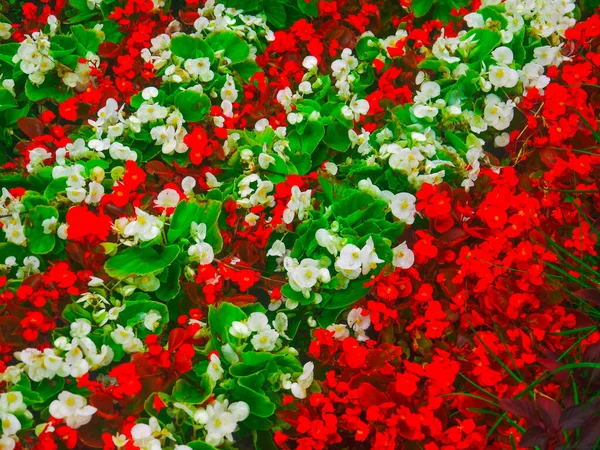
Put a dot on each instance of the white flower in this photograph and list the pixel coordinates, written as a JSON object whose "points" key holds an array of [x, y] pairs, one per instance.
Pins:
{"points": [[149, 93], [73, 409], [201, 252], [404, 257], [49, 225], [258, 322], [7, 443], [265, 160], [341, 331], [167, 198], [265, 340], [403, 207], [310, 62], [277, 249], [10, 424], [143, 435], [474, 20], [503, 76], [145, 228], [199, 68], [304, 381], [188, 184], [126, 337], [239, 330], [36, 157], [503, 55], [357, 321], [96, 191], [80, 328], [304, 275], [215, 370], [152, 320]]}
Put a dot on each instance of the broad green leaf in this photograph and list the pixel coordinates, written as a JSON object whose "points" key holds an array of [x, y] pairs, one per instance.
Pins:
{"points": [[421, 7], [52, 88], [346, 297], [260, 404], [135, 312], [233, 47], [367, 48], [220, 320], [312, 135], [185, 213], [200, 445], [88, 39], [136, 261], [308, 7], [337, 137], [192, 104], [7, 100], [275, 13], [37, 241], [188, 47]]}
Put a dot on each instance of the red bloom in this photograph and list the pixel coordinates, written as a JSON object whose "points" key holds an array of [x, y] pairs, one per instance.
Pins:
{"points": [[85, 226]]}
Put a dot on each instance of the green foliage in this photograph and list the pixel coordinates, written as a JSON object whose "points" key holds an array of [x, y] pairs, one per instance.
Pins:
{"points": [[136, 261]]}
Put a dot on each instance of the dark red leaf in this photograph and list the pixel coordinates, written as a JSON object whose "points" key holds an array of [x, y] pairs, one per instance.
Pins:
{"points": [[109, 50], [577, 416], [589, 435], [549, 410], [589, 295], [31, 126], [105, 405], [535, 436], [521, 408]]}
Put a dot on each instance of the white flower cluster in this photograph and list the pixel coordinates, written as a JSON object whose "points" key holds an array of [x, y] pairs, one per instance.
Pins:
{"points": [[212, 18], [11, 406], [304, 275], [31, 265], [73, 409], [201, 252], [219, 418], [144, 227], [126, 337], [34, 57], [299, 204], [78, 189], [253, 196], [74, 358], [354, 261], [302, 383], [10, 210], [265, 338]]}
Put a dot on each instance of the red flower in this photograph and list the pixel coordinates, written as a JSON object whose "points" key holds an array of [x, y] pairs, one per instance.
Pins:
{"points": [[85, 226]]}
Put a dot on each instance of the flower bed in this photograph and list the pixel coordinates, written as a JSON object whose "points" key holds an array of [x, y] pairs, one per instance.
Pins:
{"points": [[299, 224]]}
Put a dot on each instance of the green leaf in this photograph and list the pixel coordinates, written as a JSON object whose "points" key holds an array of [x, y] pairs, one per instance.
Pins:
{"points": [[74, 311], [199, 445], [367, 48], [346, 297], [308, 7], [62, 45], [337, 137], [312, 135], [188, 47], [135, 312], [183, 391], [88, 39], [246, 69], [275, 13], [185, 213], [220, 320], [52, 88], [37, 241], [260, 405], [421, 7], [169, 288], [7, 100], [193, 105], [486, 40], [233, 47], [140, 261]]}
